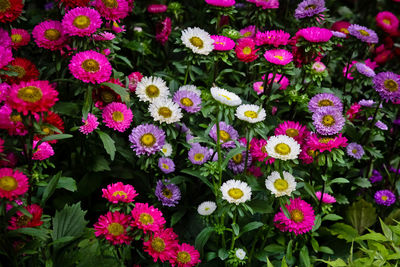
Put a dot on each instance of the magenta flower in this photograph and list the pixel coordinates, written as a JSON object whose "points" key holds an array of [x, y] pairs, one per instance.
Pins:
{"points": [[278, 56]]}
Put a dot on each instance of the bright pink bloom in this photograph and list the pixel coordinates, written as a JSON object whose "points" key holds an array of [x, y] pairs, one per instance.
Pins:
{"points": [[387, 21], [315, 34], [293, 129], [265, 4], [185, 256], [258, 151], [326, 143], [112, 10], [11, 122], [353, 110], [147, 218], [156, 8], [258, 87], [119, 192], [163, 30], [341, 26], [248, 32], [274, 37], [134, 79], [90, 124], [283, 81], [307, 155], [43, 151], [22, 221], [12, 183], [255, 170], [222, 43], [104, 36], [162, 245], [221, 3], [81, 21], [50, 35], [113, 227], [278, 56], [245, 50], [117, 116], [19, 37], [326, 198]]}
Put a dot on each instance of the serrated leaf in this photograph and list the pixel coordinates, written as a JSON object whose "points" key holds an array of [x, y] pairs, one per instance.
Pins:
{"points": [[108, 143], [335, 263]]}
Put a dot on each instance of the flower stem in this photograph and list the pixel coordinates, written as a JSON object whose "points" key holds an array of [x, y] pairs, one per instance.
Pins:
{"points": [[219, 149], [186, 73]]}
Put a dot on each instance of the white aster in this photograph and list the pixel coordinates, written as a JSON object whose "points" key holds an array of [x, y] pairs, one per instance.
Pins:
{"points": [[225, 97], [151, 88], [240, 254], [167, 150], [191, 88], [250, 113], [282, 147], [280, 186], [165, 110], [198, 40], [206, 208], [235, 191]]}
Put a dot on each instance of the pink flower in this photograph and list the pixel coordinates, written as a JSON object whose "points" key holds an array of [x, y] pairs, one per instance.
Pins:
{"points": [[134, 79], [221, 3], [50, 35], [275, 38], [163, 30], [104, 36], [245, 50], [113, 227], [353, 110], [12, 183], [326, 198], [162, 245], [279, 79], [387, 21], [222, 43], [326, 143], [119, 192], [19, 37], [293, 129], [43, 151], [278, 56], [117, 116], [315, 34], [258, 151], [22, 221], [270, 4], [11, 122], [147, 218], [81, 21], [90, 124], [248, 32], [307, 155], [112, 9], [185, 256], [156, 8], [90, 67]]}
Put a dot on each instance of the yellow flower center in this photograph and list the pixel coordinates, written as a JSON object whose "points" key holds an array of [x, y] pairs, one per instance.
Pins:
{"points": [[16, 38], [152, 91], [384, 198], [279, 57], [297, 215], [146, 219], [148, 140], [15, 118], [219, 43], [30, 94], [325, 103], [158, 244], [165, 112], [8, 183], [237, 158], [325, 140], [4, 5], [91, 65], [52, 34], [312, 153], [118, 116], [20, 70], [120, 194], [292, 132], [328, 120], [363, 32], [281, 185], [247, 50], [198, 157], [82, 22], [251, 114], [115, 229], [391, 85], [197, 42], [46, 130], [183, 257], [344, 30], [387, 21], [247, 34], [310, 7], [235, 193], [224, 136], [165, 166], [110, 3], [23, 220], [354, 151], [107, 96], [186, 102], [264, 149], [167, 193], [282, 149]]}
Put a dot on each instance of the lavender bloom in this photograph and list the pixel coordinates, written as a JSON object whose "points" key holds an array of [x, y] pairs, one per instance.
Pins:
{"points": [[198, 154], [328, 121], [355, 150], [381, 125], [363, 33], [365, 70], [366, 103], [169, 194], [387, 85], [375, 177], [309, 8], [325, 100], [385, 197], [166, 165], [338, 34], [188, 100], [238, 162], [227, 134], [147, 139]]}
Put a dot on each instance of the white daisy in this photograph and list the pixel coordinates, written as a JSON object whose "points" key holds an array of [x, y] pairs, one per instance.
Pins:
{"points": [[165, 110], [225, 97], [282, 147], [240, 254], [191, 88], [151, 88], [206, 208], [280, 186], [235, 191], [250, 113], [198, 40], [167, 150]]}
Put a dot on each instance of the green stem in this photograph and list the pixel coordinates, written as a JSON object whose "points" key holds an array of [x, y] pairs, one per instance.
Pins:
{"points": [[249, 136], [233, 232], [219, 149], [253, 246], [186, 73]]}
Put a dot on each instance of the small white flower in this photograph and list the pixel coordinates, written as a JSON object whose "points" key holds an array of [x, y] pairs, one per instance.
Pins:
{"points": [[206, 208], [225, 97], [167, 150], [151, 88], [191, 88], [250, 113], [137, 29], [240, 254], [282, 147], [235, 191], [198, 40], [280, 186], [165, 110]]}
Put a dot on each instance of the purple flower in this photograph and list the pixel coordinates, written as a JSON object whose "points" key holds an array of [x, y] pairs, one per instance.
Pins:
{"points": [[168, 194], [338, 34], [147, 139], [375, 177], [238, 162], [325, 100], [355, 150], [328, 121], [166, 165], [381, 125], [365, 70], [363, 33], [366, 103], [385, 197], [392, 169], [396, 121], [227, 134], [198, 154], [309, 8], [387, 85], [188, 100]]}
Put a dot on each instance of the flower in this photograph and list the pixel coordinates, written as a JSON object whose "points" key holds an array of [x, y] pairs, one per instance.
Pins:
{"points": [[198, 40], [381, 125], [240, 254], [278, 56], [235, 191], [351, 113], [11, 122], [238, 162], [324, 100], [326, 143], [163, 30], [165, 110], [25, 70], [341, 26], [90, 67], [375, 177], [32, 96], [162, 245], [338, 34], [166, 165], [309, 8], [221, 3], [326, 198], [119, 192], [274, 37], [51, 119], [198, 154], [134, 78], [147, 218], [248, 32], [314, 34], [280, 79], [74, 3], [81, 21], [355, 150], [245, 50], [280, 186], [147, 139], [103, 36], [185, 256], [225, 97], [366, 103], [328, 121], [13, 183], [282, 147], [5, 49], [191, 88], [23, 221], [49, 34], [292, 129], [168, 194], [188, 100], [227, 134], [113, 226], [90, 124], [250, 113], [301, 219], [258, 150], [385, 197], [307, 155], [151, 88], [363, 33], [112, 9], [42, 152], [10, 10], [387, 84], [117, 116], [104, 95], [265, 4], [167, 149], [365, 70], [222, 43], [156, 8], [206, 208], [19, 38], [387, 21]]}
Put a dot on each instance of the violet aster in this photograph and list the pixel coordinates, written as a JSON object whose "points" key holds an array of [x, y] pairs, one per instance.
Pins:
{"points": [[381, 125], [227, 134], [375, 177], [328, 121], [188, 100], [309, 8], [166, 165], [147, 139], [238, 162], [355, 150], [366, 102], [198, 154], [363, 33], [168, 194], [387, 85], [385, 197], [325, 100], [365, 70]]}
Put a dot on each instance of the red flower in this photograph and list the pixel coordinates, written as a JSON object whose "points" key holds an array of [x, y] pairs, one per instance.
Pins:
{"points": [[51, 119], [105, 95], [10, 10], [74, 3], [245, 50], [22, 221], [25, 69]]}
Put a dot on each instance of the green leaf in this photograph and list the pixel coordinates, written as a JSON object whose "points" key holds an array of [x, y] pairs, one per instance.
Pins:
{"points": [[335, 263], [274, 249], [339, 181], [326, 250], [231, 154], [34, 232], [304, 256], [223, 253], [50, 188], [361, 215], [67, 183], [53, 137], [261, 206], [332, 217], [203, 237], [235, 228], [108, 143], [88, 101], [121, 91], [343, 231], [386, 230], [251, 226], [269, 264], [284, 264], [362, 182], [372, 236], [196, 174], [177, 216]]}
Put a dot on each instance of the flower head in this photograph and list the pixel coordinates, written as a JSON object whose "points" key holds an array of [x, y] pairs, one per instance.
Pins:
{"points": [[221, 3], [387, 21], [225, 97], [163, 30], [81, 21], [162, 245], [147, 139], [147, 218], [25, 69], [278, 56], [134, 78], [43, 151], [168, 194], [250, 113], [190, 101], [387, 84], [113, 227], [355, 150], [23, 221], [292, 129], [326, 143], [165, 110], [10, 10], [166, 165], [151, 88], [385, 197], [248, 32], [258, 150], [198, 154], [167, 149], [206, 208], [309, 8], [375, 177], [227, 134], [12, 183], [326, 198], [117, 116], [282, 147], [19, 38], [274, 37], [245, 50], [314, 34], [222, 43], [89, 124], [112, 9], [365, 70], [328, 121], [235, 191], [325, 100], [49, 35], [185, 256], [363, 33], [119, 192], [265, 4], [90, 67], [238, 162], [198, 40], [280, 186]]}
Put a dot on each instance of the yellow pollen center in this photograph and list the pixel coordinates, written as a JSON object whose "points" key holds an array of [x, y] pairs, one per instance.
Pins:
{"points": [[391, 85], [282, 149], [30, 94], [110, 3], [197, 42], [384, 198], [325, 140], [297, 215], [165, 166], [325, 103], [328, 120], [183, 257], [167, 193], [115, 229], [8, 183], [251, 114], [310, 7], [279, 57], [220, 43], [16, 38], [4, 5], [312, 153], [235, 193], [264, 149], [152, 91], [247, 50], [344, 30], [118, 116], [354, 151], [387, 21], [198, 157], [237, 158], [165, 112], [82, 22], [281, 185], [91, 65], [146, 219], [292, 132], [23, 220], [186, 102], [148, 140], [363, 32], [20, 70], [107, 96], [46, 130], [224, 136], [158, 244], [119, 194], [52, 34], [247, 34], [15, 118]]}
